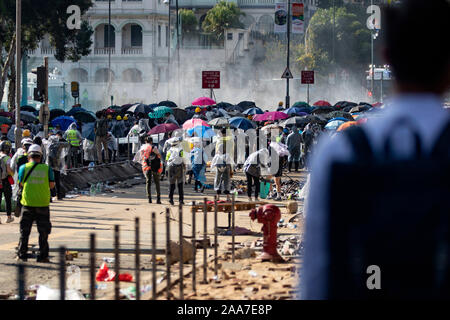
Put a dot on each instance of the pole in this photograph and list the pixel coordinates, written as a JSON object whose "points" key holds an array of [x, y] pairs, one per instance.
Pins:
{"points": [[215, 238], [92, 266], [307, 95], [109, 43], [178, 54], [137, 260], [168, 252], [232, 230], [194, 280], [180, 219], [381, 98], [168, 59], [371, 65], [45, 112], [153, 256], [205, 226], [334, 26], [64, 96], [24, 81], [18, 130], [62, 273], [117, 263], [21, 280], [288, 51]]}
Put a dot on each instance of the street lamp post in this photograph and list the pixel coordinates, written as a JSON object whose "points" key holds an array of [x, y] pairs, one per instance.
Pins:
{"points": [[18, 131]]}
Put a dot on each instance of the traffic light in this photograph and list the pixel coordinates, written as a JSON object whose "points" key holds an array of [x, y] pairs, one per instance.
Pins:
{"points": [[75, 89], [41, 83]]}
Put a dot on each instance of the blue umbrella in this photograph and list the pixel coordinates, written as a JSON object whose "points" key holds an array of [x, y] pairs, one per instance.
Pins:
{"points": [[63, 121], [74, 110], [295, 111], [201, 131], [334, 125], [338, 118], [88, 131], [241, 123], [253, 111]]}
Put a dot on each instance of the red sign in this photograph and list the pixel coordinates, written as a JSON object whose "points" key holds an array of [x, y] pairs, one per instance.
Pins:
{"points": [[210, 79], [307, 77]]}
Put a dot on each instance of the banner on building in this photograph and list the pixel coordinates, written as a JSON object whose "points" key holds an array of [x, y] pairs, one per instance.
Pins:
{"points": [[298, 20], [281, 17]]}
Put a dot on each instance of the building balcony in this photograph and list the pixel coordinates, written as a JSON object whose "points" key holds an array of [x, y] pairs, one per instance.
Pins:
{"points": [[104, 51], [47, 51], [255, 3], [196, 3], [132, 51]]}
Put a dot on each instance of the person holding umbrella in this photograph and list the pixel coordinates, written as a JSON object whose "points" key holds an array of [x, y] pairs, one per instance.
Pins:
{"points": [[175, 168]]}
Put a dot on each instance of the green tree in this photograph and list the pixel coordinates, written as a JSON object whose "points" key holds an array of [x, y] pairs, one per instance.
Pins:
{"points": [[38, 19], [223, 15], [188, 21]]}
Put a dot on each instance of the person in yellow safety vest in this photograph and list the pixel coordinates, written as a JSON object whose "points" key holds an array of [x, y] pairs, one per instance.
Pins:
{"points": [[73, 136], [36, 179]]}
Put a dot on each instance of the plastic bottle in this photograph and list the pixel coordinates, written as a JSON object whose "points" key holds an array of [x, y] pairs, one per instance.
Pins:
{"points": [[91, 166], [92, 191], [99, 187]]}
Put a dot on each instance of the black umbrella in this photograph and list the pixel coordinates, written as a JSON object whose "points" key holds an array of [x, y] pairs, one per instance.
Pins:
{"points": [[84, 117], [338, 114], [180, 115], [246, 105], [28, 108], [168, 103], [224, 105], [140, 108], [322, 110], [55, 113], [360, 108]]}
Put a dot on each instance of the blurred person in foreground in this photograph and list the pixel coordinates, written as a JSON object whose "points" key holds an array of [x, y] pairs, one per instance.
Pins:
{"points": [[418, 103]]}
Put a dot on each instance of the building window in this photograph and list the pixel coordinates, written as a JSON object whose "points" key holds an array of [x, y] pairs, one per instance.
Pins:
{"points": [[241, 35], [167, 36], [229, 36], [159, 36], [136, 35], [109, 43]]}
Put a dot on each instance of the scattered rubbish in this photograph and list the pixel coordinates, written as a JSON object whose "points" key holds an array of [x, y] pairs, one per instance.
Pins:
{"points": [[114, 197], [129, 293], [245, 253], [104, 274], [46, 293], [101, 286], [238, 231], [250, 290], [71, 196], [253, 273], [109, 260]]}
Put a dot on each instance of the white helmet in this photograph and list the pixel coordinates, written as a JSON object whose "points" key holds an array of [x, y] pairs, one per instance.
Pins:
{"points": [[35, 149]]}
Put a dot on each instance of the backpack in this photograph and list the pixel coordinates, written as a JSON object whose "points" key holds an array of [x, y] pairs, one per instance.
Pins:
{"points": [[176, 157], [153, 161], [23, 159], [398, 220], [102, 128], [53, 154]]}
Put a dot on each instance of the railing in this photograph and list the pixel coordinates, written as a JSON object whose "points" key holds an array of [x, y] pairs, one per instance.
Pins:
{"points": [[47, 51], [103, 51], [132, 51], [255, 3]]}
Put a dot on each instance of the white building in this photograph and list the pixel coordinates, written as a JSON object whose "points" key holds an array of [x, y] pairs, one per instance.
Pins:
{"points": [[139, 51]]}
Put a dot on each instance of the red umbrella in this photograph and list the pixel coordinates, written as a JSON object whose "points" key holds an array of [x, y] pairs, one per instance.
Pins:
{"points": [[271, 116], [203, 101], [163, 128], [194, 123], [322, 103]]}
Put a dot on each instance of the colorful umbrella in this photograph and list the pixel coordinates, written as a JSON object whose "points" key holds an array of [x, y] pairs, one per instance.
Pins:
{"points": [[163, 128], [241, 123], [253, 111], [63, 121], [322, 103], [201, 131], [203, 101], [160, 112], [194, 123], [271, 116], [6, 114], [347, 125], [301, 104]]}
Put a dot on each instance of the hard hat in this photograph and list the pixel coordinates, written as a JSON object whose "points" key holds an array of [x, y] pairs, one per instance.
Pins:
{"points": [[118, 118], [109, 116], [27, 141], [35, 149], [5, 146], [198, 109], [125, 117], [280, 103], [26, 133]]}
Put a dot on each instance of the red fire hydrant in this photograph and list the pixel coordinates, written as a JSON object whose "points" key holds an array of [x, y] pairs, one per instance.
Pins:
{"points": [[268, 215]]}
